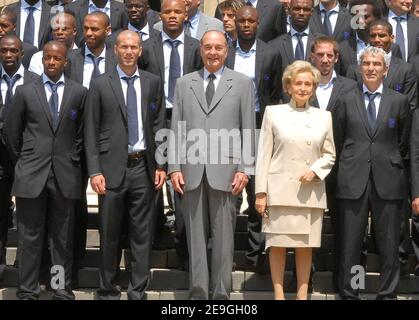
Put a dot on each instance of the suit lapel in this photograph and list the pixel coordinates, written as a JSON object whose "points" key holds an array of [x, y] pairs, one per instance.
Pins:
{"points": [[316, 20], [360, 105], [289, 48], [394, 64], [383, 110], [197, 87], [44, 24], [145, 89], [310, 39], [17, 30], [109, 60], [411, 35], [260, 53], [231, 56], [337, 86], [65, 102], [223, 86], [42, 97], [114, 14], [187, 55], [115, 84], [340, 22], [158, 51]]}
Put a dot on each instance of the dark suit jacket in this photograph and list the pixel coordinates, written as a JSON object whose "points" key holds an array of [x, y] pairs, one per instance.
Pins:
{"points": [[343, 23], [74, 68], [106, 129], [152, 57], [111, 39], [415, 64], [283, 44], [80, 8], [379, 152], [412, 36], [414, 155], [400, 77], [347, 54], [28, 76], [44, 32], [37, 147], [28, 52], [268, 73], [272, 19]]}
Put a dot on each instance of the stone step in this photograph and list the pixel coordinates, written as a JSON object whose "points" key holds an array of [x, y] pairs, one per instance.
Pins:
{"points": [[170, 280]]}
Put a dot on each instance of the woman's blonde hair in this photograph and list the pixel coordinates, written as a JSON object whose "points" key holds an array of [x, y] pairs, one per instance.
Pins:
{"points": [[296, 68]]}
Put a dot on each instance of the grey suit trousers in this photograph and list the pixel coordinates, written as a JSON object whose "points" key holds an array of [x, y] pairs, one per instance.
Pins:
{"points": [[209, 213]]}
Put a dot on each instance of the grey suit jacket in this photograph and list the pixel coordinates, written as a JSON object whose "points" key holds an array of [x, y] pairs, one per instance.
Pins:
{"points": [[205, 24], [44, 31], [231, 110], [80, 8]]}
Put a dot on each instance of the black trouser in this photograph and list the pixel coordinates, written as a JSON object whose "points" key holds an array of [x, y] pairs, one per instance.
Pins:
{"points": [[58, 211], [134, 197], [353, 216], [6, 181]]}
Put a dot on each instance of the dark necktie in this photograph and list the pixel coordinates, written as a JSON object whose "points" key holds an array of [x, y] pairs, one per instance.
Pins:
{"points": [[53, 102], [400, 36], [28, 33], [209, 92], [174, 67], [132, 112], [10, 84], [299, 48], [96, 61], [327, 25], [140, 33], [371, 109]]}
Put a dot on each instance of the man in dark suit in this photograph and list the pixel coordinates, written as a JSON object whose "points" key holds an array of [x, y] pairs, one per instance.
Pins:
{"points": [[353, 44], [170, 55], [8, 18], [124, 112], [324, 56], [12, 75], [262, 64], [113, 9], [272, 18], [93, 58], [405, 26], [209, 100], [296, 44], [372, 128], [331, 19], [400, 76], [33, 21], [43, 133]]}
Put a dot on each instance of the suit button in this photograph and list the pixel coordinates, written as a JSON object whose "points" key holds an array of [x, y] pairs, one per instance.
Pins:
{"points": [[208, 116], [308, 143], [307, 161], [369, 160]]}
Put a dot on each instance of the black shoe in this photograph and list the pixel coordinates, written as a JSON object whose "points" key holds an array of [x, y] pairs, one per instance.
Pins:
{"points": [[404, 272], [416, 272]]}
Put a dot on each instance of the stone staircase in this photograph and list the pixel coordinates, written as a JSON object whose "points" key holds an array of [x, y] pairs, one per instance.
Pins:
{"points": [[168, 282]]}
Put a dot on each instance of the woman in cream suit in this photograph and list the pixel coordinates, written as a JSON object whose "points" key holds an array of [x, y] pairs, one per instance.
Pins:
{"points": [[296, 152]]}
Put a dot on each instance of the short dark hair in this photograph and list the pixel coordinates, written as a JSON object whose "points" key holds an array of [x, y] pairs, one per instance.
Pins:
{"points": [[11, 14], [55, 43], [233, 5], [12, 37], [100, 14], [323, 39], [381, 22]]}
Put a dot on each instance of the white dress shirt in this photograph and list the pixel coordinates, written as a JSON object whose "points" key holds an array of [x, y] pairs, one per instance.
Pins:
{"points": [[253, 2], [89, 66], [106, 9], [324, 92], [3, 83], [60, 88], [245, 62], [217, 75], [144, 31], [393, 22], [167, 50], [377, 99], [295, 40], [36, 16], [333, 18], [140, 145]]}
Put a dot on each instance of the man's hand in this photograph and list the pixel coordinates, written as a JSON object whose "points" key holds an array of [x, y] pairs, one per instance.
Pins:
{"points": [[415, 205], [177, 181], [239, 183], [159, 179], [98, 184], [260, 203], [308, 177]]}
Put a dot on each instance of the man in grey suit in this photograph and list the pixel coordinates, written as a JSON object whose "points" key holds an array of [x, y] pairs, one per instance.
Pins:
{"points": [[198, 22], [208, 101]]}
